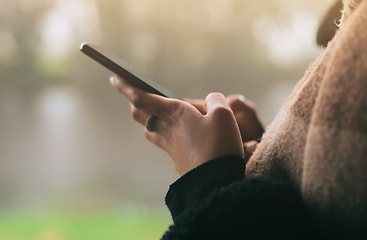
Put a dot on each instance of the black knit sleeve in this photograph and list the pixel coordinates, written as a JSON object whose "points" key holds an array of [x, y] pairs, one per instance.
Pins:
{"points": [[201, 181], [246, 209], [215, 201]]}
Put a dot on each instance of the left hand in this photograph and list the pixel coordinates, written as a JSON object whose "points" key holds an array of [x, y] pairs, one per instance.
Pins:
{"points": [[188, 136], [245, 113]]}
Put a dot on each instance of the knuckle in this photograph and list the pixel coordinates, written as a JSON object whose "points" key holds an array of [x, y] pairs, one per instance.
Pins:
{"points": [[251, 106], [175, 108], [222, 111], [235, 103], [135, 113], [214, 95], [137, 100], [174, 105]]}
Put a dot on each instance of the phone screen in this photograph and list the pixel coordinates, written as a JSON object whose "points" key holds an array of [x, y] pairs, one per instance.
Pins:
{"points": [[125, 71]]}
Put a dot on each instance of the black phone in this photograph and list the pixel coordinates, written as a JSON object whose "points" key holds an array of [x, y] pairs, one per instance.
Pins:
{"points": [[125, 71]]}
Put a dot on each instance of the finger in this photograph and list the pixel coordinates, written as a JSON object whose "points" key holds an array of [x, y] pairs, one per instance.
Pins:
{"points": [[152, 104], [158, 133], [155, 138], [236, 96], [249, 148], [198, 103], [215, 102], [238, 102], [139, 115], [246, 117]]}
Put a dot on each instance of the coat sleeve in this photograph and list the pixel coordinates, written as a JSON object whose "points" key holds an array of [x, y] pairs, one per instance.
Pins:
{"points": [[335, 161], [201, 181], [215, 201]]}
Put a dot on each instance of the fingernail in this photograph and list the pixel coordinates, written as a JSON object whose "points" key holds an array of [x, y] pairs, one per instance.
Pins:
{"points": [[250, 147], [112, 81], [241, 97]]}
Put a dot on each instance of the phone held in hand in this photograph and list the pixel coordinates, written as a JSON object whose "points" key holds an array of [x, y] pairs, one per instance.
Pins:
{"points": [[125, 71]]}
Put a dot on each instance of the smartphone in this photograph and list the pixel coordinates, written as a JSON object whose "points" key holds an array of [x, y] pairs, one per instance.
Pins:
{"points": [[125, 71]]}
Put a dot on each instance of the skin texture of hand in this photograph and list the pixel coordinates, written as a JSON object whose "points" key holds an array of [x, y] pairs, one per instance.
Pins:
{"points": [[245, 114], [188, 136]]}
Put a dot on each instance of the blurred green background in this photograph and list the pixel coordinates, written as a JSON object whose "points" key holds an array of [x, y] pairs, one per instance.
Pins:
{"points": [[73, 164]]}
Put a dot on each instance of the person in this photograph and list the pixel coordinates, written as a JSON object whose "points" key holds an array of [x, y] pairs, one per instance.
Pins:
{"points": [[306, 178]]}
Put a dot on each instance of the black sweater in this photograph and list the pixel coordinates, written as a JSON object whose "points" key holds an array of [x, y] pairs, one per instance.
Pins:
{"points": [[216, 201]]}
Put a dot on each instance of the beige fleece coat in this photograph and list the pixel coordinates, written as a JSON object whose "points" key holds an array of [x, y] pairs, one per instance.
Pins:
{"points": [[318, 141]]}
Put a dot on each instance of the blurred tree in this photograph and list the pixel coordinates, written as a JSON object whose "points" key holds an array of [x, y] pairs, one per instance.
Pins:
{"points": [[19, 23]]}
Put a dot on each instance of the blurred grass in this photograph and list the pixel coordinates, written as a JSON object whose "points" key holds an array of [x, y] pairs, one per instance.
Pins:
{"points": [[127, 223]]}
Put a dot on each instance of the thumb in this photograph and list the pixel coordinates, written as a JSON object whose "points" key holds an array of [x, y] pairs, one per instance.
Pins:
{"points": [[249, 148], [214, 101]]}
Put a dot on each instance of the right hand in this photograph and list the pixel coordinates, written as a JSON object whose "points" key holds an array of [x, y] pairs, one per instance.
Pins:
{"points": [[188, 136], [245, 114]]}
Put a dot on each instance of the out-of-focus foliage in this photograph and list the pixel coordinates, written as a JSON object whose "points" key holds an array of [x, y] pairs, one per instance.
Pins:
{"points": [[129, 223]]}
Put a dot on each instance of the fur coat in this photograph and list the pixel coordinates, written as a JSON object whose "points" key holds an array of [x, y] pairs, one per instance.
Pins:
{"points": [[318, 141]]}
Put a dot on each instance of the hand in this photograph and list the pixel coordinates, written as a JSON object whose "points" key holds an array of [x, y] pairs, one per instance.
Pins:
{"points": [[188, 136], [249, 148], [245, 114]]}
